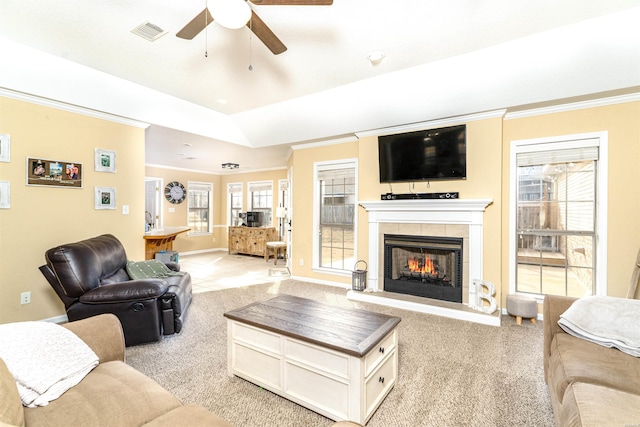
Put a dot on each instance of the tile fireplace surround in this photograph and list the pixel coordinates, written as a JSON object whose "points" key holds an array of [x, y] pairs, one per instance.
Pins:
{"points": [[433, 217]]}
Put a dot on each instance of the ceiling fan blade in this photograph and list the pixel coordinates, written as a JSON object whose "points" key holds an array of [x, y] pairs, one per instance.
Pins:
{"points": [[263, 32], [196, 25], [293, 2]]}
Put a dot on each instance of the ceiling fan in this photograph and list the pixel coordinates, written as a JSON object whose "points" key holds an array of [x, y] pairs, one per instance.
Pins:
{"points": [[255, 24]]}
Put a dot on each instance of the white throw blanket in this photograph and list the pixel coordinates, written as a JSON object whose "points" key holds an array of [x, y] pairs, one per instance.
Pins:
{"points": [[45, 359], [608, 321]]}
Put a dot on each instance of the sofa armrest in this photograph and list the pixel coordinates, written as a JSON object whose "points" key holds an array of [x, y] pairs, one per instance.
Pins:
{"points": [[103, 334], [553, 307]]}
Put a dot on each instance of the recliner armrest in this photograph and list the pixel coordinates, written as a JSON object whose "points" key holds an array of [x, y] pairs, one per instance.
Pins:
{"points": [[133, 290]]}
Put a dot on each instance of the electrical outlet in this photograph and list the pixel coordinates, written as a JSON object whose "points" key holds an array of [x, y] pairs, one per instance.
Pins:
{"points": [[301, 261], [25, 298]]}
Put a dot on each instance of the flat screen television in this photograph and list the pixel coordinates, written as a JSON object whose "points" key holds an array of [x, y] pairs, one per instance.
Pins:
{"points": [[427, 155]]}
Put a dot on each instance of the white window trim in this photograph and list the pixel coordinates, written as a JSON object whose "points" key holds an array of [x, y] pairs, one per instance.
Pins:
{"points": [[315, 264], [251, 185], [199, 233], [229, 186], [600, 139]]}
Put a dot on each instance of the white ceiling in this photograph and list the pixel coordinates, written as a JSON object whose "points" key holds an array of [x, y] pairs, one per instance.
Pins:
{"points": [[443, 59]]}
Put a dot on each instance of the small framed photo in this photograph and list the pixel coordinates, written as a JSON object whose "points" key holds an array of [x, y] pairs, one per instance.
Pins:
{"points": [[5, 195], [5, 147], [105, 198], [105, 160]]}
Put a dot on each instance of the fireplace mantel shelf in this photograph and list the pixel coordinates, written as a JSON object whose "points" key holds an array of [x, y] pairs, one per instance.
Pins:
{"points": [[447, 205]]}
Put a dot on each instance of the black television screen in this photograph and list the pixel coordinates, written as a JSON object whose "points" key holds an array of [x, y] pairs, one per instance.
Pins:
{"points": [[423, 155]]}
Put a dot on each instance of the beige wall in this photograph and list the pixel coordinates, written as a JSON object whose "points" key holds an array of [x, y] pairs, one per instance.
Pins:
{"points": [[484, 172], [186, 242], [43, 217], [270, 175], [622, 122], [488, 177]]}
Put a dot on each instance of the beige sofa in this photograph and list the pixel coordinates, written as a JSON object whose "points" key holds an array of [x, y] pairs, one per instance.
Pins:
{"points": [[112, 394], [590, 385]]}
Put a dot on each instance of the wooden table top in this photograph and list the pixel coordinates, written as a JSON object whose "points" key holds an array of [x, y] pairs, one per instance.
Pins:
{"points": [[348, 330]]}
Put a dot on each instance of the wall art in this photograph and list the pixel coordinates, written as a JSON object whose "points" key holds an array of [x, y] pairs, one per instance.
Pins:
{"points": [[105, 198], [105, 160], [55, 173]]}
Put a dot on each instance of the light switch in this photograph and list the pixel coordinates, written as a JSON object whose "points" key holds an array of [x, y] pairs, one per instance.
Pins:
{"points": [[125, 209], [172, 210]]}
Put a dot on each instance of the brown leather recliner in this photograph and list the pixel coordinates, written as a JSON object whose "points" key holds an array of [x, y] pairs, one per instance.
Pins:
{"points": [[90, 278]]}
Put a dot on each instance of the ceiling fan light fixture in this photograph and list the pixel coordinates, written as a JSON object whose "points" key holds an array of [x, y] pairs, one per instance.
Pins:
{"points": [[230, 166], [232, 14]]}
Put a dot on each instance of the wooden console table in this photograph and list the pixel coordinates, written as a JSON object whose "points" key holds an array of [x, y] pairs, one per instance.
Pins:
{"points": [[339, 362], [250, 240], [161, 240]]}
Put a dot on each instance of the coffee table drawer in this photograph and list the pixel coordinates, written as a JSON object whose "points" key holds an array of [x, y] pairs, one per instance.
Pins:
{"points": [[381, 380], [375, 356]]}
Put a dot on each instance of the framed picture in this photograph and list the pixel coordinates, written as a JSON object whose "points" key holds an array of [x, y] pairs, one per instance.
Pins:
{"points": [[5, 195], [105, 198], [54, 173], [105, 160], [5, 147]]}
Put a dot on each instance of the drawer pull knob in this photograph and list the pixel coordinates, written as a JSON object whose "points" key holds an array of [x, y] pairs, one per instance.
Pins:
{"points": [[381, 350], [381, 380]]}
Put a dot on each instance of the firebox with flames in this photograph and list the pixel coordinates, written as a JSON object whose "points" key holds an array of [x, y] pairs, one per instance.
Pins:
{"points": [[425, 270], [418, 265]]}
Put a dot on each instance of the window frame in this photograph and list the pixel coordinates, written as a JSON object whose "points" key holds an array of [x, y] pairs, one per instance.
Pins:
{"points": [[190, 185], [230, 187], [250, 190], [599, 139], [317, 166]]}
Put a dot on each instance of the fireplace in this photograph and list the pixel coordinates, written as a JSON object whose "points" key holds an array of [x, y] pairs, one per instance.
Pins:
{"points": [[424, 266]]}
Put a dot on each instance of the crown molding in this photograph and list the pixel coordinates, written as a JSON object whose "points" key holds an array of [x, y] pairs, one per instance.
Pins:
{"points": [[325, 142], [449, 121], [45, 102], [572, 106]]}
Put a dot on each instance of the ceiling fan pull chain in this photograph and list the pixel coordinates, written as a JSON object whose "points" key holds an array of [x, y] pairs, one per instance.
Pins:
{"points": [[250, 39], [206, 29]]}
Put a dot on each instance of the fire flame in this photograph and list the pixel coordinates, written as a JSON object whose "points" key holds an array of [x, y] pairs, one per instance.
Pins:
{"points": [[417, 265]]}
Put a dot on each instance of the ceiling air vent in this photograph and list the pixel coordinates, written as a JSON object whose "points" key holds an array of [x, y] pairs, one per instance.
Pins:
{"points": [[149, 31]]}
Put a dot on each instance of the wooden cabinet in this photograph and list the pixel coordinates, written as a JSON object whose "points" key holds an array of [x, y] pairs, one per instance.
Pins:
{"points": [[250, 240]]}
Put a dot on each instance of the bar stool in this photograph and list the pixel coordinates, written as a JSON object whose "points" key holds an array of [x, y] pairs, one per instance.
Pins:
{"points": [[275, 247]]}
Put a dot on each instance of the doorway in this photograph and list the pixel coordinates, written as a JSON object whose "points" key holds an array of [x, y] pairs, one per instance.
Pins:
{"points": [[152, 203]]}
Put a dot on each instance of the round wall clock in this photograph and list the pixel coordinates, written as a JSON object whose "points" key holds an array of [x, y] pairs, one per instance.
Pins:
{"points": [[175, 192]]}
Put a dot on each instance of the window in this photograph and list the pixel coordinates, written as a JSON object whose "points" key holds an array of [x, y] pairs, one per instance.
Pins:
{"points": [[234, 203], [335, 201], [261, 200], [200, 207], [556, 217]]}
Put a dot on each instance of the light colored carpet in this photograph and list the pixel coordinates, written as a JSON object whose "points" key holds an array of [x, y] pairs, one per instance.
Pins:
{"points": [[451, 372]]}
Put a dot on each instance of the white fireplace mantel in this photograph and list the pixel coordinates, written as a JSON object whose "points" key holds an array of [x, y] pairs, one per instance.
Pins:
{"points": [[468, 212]]}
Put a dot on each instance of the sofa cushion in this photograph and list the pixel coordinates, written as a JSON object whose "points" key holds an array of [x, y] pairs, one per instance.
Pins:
{"points": [[576, 360], [151, 268], [593, 405], [11, 412], [114, 394], [189, 415]]}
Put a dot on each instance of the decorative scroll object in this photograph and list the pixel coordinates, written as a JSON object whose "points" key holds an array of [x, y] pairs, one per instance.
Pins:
{"points": [[483, 295]]}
